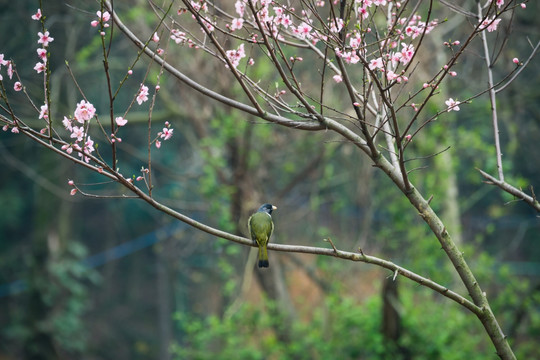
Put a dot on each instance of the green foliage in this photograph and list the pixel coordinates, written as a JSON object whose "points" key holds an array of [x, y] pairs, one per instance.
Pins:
{"points": [[60, 296], [340, 328]]}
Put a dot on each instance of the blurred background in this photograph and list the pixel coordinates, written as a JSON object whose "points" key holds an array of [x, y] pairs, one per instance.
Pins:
{"points": [[90, 278]]}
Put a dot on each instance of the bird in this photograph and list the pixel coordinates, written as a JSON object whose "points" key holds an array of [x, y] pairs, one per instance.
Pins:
{"points": [[260, 227]]}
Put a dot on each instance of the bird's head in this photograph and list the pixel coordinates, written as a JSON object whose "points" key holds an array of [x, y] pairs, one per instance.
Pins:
{"points": [[267, 208]]}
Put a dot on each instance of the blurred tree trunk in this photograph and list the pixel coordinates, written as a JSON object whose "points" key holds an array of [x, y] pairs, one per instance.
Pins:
{"points": [[39, 343], [392, 328], [164, 307]]}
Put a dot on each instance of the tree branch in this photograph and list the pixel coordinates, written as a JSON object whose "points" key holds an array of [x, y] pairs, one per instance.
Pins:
{"points": [[334, 252], [531, 200]]}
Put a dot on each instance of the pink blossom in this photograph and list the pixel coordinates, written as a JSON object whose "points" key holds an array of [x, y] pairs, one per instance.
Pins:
{"points": [[5, 128], [350, 57], [409, 30], [68, 149], [130, 72], [452, 104], [37, 15], [407, 53], [42, 53], [155, 37], [336, 25], [88, 147], [523, 5], [15, 130], [10, 69], [408, 137], [17, 86], [337, 78], [104, 17], [84, 112], [239, 6], [77, 133], [167, 133], [40, 67], [500, 3], [94, 23], [379, 2], [237, 24], [284, 20], [70, 182], [376, 64], [44, 113], [251, 62], [362, 12], [303, 31], [515, 60], [452, 73], [493, 26], [199, 5], [390, 75], [120, 121], [208, 24], [2, 61], [279, 10], [395, 58], [160, 51], [67, 124], [73, 192], [142, 96], [490, 24], [355, 41], [45, 39], [158, 144]]}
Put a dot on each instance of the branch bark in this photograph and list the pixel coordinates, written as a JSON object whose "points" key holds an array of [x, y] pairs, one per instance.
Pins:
{"points": [[531, 200]]}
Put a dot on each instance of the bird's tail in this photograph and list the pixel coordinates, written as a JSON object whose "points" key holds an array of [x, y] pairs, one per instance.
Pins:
{"points": [[263, 256]]}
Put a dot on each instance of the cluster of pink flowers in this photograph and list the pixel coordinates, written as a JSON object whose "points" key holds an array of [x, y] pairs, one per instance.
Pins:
{"points": [[181, 38], [83, 144], [142, 95], [9, 65], [235, 56], [165, 134], [44, 40], [103, 19], [415, 27]]}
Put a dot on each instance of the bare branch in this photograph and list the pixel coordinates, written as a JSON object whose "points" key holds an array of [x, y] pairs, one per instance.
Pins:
{"points": [[531, 200]]}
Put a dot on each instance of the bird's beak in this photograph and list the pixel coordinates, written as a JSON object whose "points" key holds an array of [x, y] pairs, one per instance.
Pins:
{"points": [[274, 207]]}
